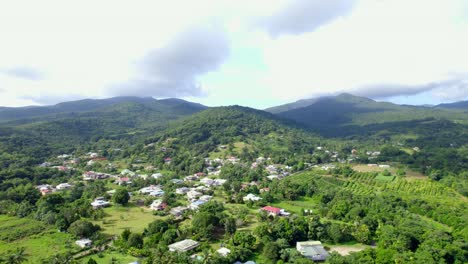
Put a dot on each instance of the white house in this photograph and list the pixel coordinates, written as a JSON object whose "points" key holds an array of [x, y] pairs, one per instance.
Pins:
{"points": [[184, 245], [63, 186], [100, 202], [182, 190], [82, 243], [193, 194], [158, 205], [223, 251], [251, 197]]}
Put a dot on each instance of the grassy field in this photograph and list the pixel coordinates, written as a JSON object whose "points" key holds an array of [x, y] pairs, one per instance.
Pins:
{"points": [[39, 244], [297, 206], [118, 218]]}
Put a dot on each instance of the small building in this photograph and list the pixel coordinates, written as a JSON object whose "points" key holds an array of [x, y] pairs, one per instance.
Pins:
{"points": [[312, 250], [82, 243], [63, 186], [158, 205], [182, 190], [223, 251], [157, 193], [193, 194], [384, 166], [178, 211], [150, 189], [100, 203], [196, 205], [251, 197], [205, 198], [123, 180], [184, 245]]}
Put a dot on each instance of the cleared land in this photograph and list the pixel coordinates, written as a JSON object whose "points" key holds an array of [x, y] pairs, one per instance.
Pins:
{"points": [[119, 218], [40, 243]]}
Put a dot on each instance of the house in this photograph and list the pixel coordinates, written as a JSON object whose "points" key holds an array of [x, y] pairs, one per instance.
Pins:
{"points": [[207, 181], [251, 197], [223, 251], [193, 194], [264, 190], [177, 181], [127, 172], [182, 190], [167, 160], [271, 210], [156, 175], [158, 205], [260, 160], [312, 250], [184, 245], [100, 203], [123, 180], [205, 198], [157, 193], [191, 178], [149, 189], [82, 243], [63, 186], [195, 205], [219, 182], [273, 177], [178, 211]]}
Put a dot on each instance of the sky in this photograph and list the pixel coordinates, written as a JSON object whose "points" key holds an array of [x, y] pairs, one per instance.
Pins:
{"points": [[221, 52]]}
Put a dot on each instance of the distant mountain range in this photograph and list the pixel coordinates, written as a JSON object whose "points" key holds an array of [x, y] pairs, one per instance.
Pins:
{"points": [[72, 108]]}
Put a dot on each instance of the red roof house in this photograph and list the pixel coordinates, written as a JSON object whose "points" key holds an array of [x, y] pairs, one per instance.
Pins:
{"points": [[271, 210]]}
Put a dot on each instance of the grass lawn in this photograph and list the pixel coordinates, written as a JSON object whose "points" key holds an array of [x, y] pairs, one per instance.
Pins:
{"points": [[297, 206], [39, 245], [108, 256], [118, 218]]}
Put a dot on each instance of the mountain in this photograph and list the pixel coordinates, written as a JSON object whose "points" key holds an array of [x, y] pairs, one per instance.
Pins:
{"points": [[347, 114], [34, 113], [456, 105], [291, 106], [66, 126]]}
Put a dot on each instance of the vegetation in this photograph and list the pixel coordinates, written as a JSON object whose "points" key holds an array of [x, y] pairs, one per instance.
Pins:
{"points": [[391, 179]]}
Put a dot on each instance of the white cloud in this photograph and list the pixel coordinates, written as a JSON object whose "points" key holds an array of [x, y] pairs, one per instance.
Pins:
{"points": [[75, 49]]}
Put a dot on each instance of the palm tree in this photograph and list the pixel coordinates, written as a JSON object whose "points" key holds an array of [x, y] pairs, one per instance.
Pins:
{"points": [[15, 257]]}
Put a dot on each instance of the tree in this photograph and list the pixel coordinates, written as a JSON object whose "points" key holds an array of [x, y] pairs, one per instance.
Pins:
{"points": [[230, 226], [135, 240], [15, 257], [92, 261], [82, 228], [121, 196]]}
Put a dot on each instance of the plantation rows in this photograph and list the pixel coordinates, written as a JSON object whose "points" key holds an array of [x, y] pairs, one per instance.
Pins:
{"points": [[357, 188], [419, 187]]}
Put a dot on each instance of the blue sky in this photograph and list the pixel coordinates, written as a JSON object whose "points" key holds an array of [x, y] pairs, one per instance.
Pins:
{"points": [[223, 52]]}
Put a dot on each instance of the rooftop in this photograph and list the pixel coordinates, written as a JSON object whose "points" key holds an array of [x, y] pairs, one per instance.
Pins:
{"points": [[184, 245]]}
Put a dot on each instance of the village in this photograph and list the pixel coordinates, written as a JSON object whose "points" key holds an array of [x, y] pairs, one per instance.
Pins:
{"points": [[150, 189]]}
